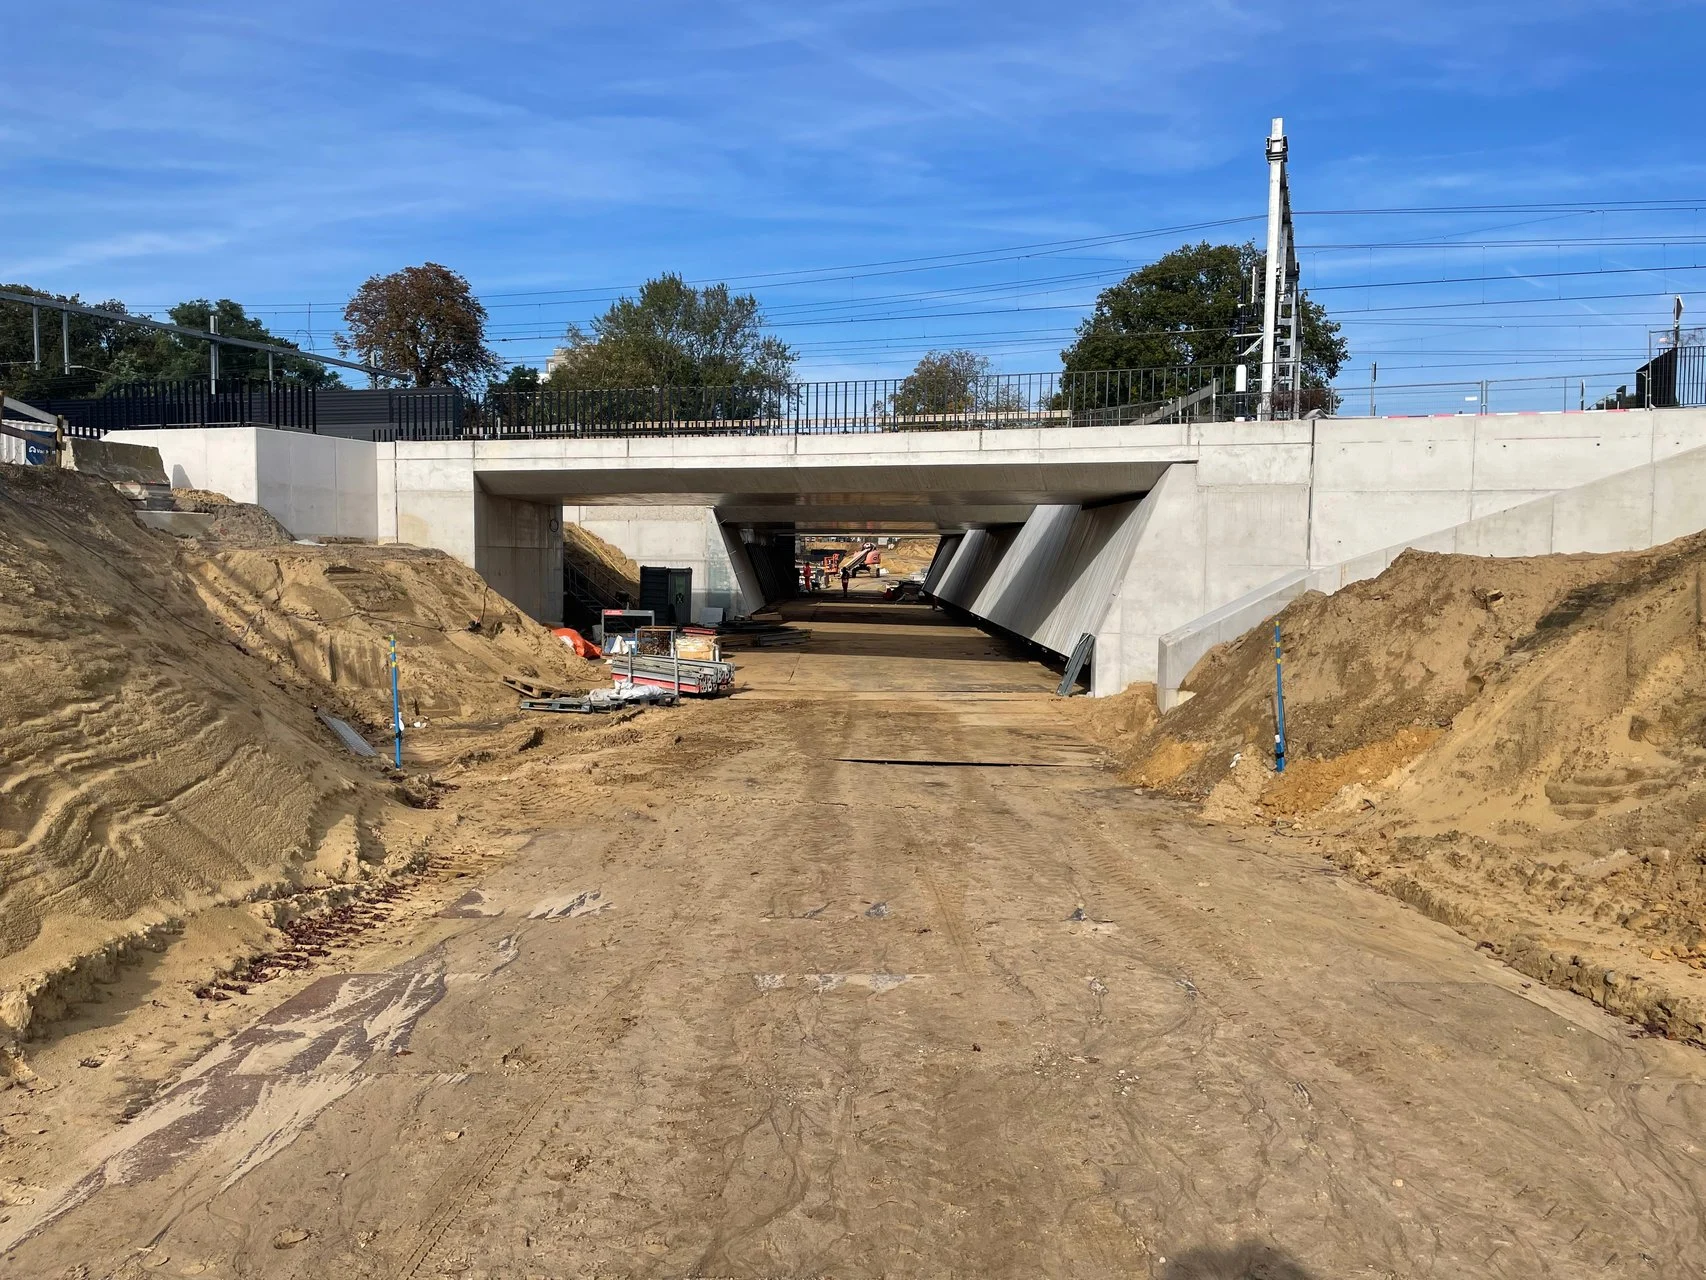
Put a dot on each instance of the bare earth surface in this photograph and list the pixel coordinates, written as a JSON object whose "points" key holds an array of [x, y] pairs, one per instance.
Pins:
{"points": [[872, 969]]}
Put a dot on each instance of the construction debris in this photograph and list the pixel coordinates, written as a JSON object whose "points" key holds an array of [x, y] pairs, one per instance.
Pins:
{"points": [[623, 695], [346, 733]]}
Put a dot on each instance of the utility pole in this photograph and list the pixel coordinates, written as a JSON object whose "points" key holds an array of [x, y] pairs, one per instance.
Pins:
{"points": [[65, 337], [35, 330], [1373, 377], [213, 354], [1279, 293]]}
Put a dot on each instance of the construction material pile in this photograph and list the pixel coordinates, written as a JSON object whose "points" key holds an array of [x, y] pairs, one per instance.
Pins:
{"points": [[1516, 745], [682, 675], [152, 767], [322, 614]]}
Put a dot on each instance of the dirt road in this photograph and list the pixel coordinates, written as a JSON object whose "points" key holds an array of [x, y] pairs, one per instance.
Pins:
{"points": [[874, 970]]}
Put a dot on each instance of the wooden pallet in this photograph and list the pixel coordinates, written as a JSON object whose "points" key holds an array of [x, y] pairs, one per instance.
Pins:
{"points": [[558, 704], [533, 689]]}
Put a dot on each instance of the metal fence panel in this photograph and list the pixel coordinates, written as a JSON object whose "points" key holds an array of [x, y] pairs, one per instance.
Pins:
{"points": [[191, 403], [1140, 396]]}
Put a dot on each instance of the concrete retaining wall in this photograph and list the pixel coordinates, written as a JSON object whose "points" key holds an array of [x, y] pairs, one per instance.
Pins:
{"points": [[326, 486], [1181, 649], [1380, 481], [1645, 506], [1210, 531], [518, 548], [316, 486]]}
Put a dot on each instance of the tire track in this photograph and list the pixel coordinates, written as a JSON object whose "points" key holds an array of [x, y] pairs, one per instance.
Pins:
{"points": [[455, 1201]]}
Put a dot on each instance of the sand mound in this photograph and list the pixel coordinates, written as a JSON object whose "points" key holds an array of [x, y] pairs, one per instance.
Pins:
{"points": [[909, 556], [321, 616], [1118, 723], [152, 767], [1407, 649], [1518, 746], [235, 524], [608, 566]]}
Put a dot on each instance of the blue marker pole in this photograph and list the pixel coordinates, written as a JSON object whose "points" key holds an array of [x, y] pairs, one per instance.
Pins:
{"points": [[396, 706], [1279, 706]]}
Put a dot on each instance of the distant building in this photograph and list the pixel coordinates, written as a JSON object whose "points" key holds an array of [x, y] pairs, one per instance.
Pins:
{"points": [[556, 358]]}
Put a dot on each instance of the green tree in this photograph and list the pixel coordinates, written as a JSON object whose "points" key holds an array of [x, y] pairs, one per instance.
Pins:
{"points": [[952, 382], [1187, 309], [107, 353], [423, 321], [520, 377], [150, 354], [674, 335], [96, 345]]}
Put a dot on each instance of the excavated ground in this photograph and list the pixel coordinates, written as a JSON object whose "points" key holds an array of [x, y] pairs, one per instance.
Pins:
{"points": [[875, 968]]}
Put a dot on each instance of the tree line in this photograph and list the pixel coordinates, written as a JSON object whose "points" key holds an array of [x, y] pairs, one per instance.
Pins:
{"points": [[1188, 309]]}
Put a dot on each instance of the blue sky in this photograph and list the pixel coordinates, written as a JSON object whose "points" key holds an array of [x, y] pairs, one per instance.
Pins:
{"points": [[559, 153]]}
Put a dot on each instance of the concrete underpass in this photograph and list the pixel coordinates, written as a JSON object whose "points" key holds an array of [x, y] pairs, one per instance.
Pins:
{"points": [[1157, 540]]}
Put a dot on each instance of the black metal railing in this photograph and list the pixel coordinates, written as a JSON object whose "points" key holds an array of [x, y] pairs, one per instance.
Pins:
{"points": [[427, 413], [1674, 378], [1196, 393], [1118, 397], [190, 403]]}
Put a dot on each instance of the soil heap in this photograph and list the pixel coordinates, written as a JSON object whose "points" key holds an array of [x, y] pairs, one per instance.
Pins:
{"points": [[1518, 746], [235, 524], [156, 718], [322, 614], [153, 768], [614, 572]]}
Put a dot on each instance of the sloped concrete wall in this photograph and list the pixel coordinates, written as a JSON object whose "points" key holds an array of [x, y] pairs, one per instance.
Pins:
{"points": [[1051, 580], [1644, 506], [946, 546], [975, 561], [745, 593]]}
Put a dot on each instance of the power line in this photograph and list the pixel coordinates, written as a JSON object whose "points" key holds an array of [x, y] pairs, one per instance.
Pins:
{"points": [[1523, 302], [1667, 205], [1595, 242], [1507, 279]]}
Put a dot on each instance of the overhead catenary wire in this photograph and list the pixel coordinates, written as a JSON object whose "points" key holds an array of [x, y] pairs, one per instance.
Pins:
{"points": [[1037, 294]]}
